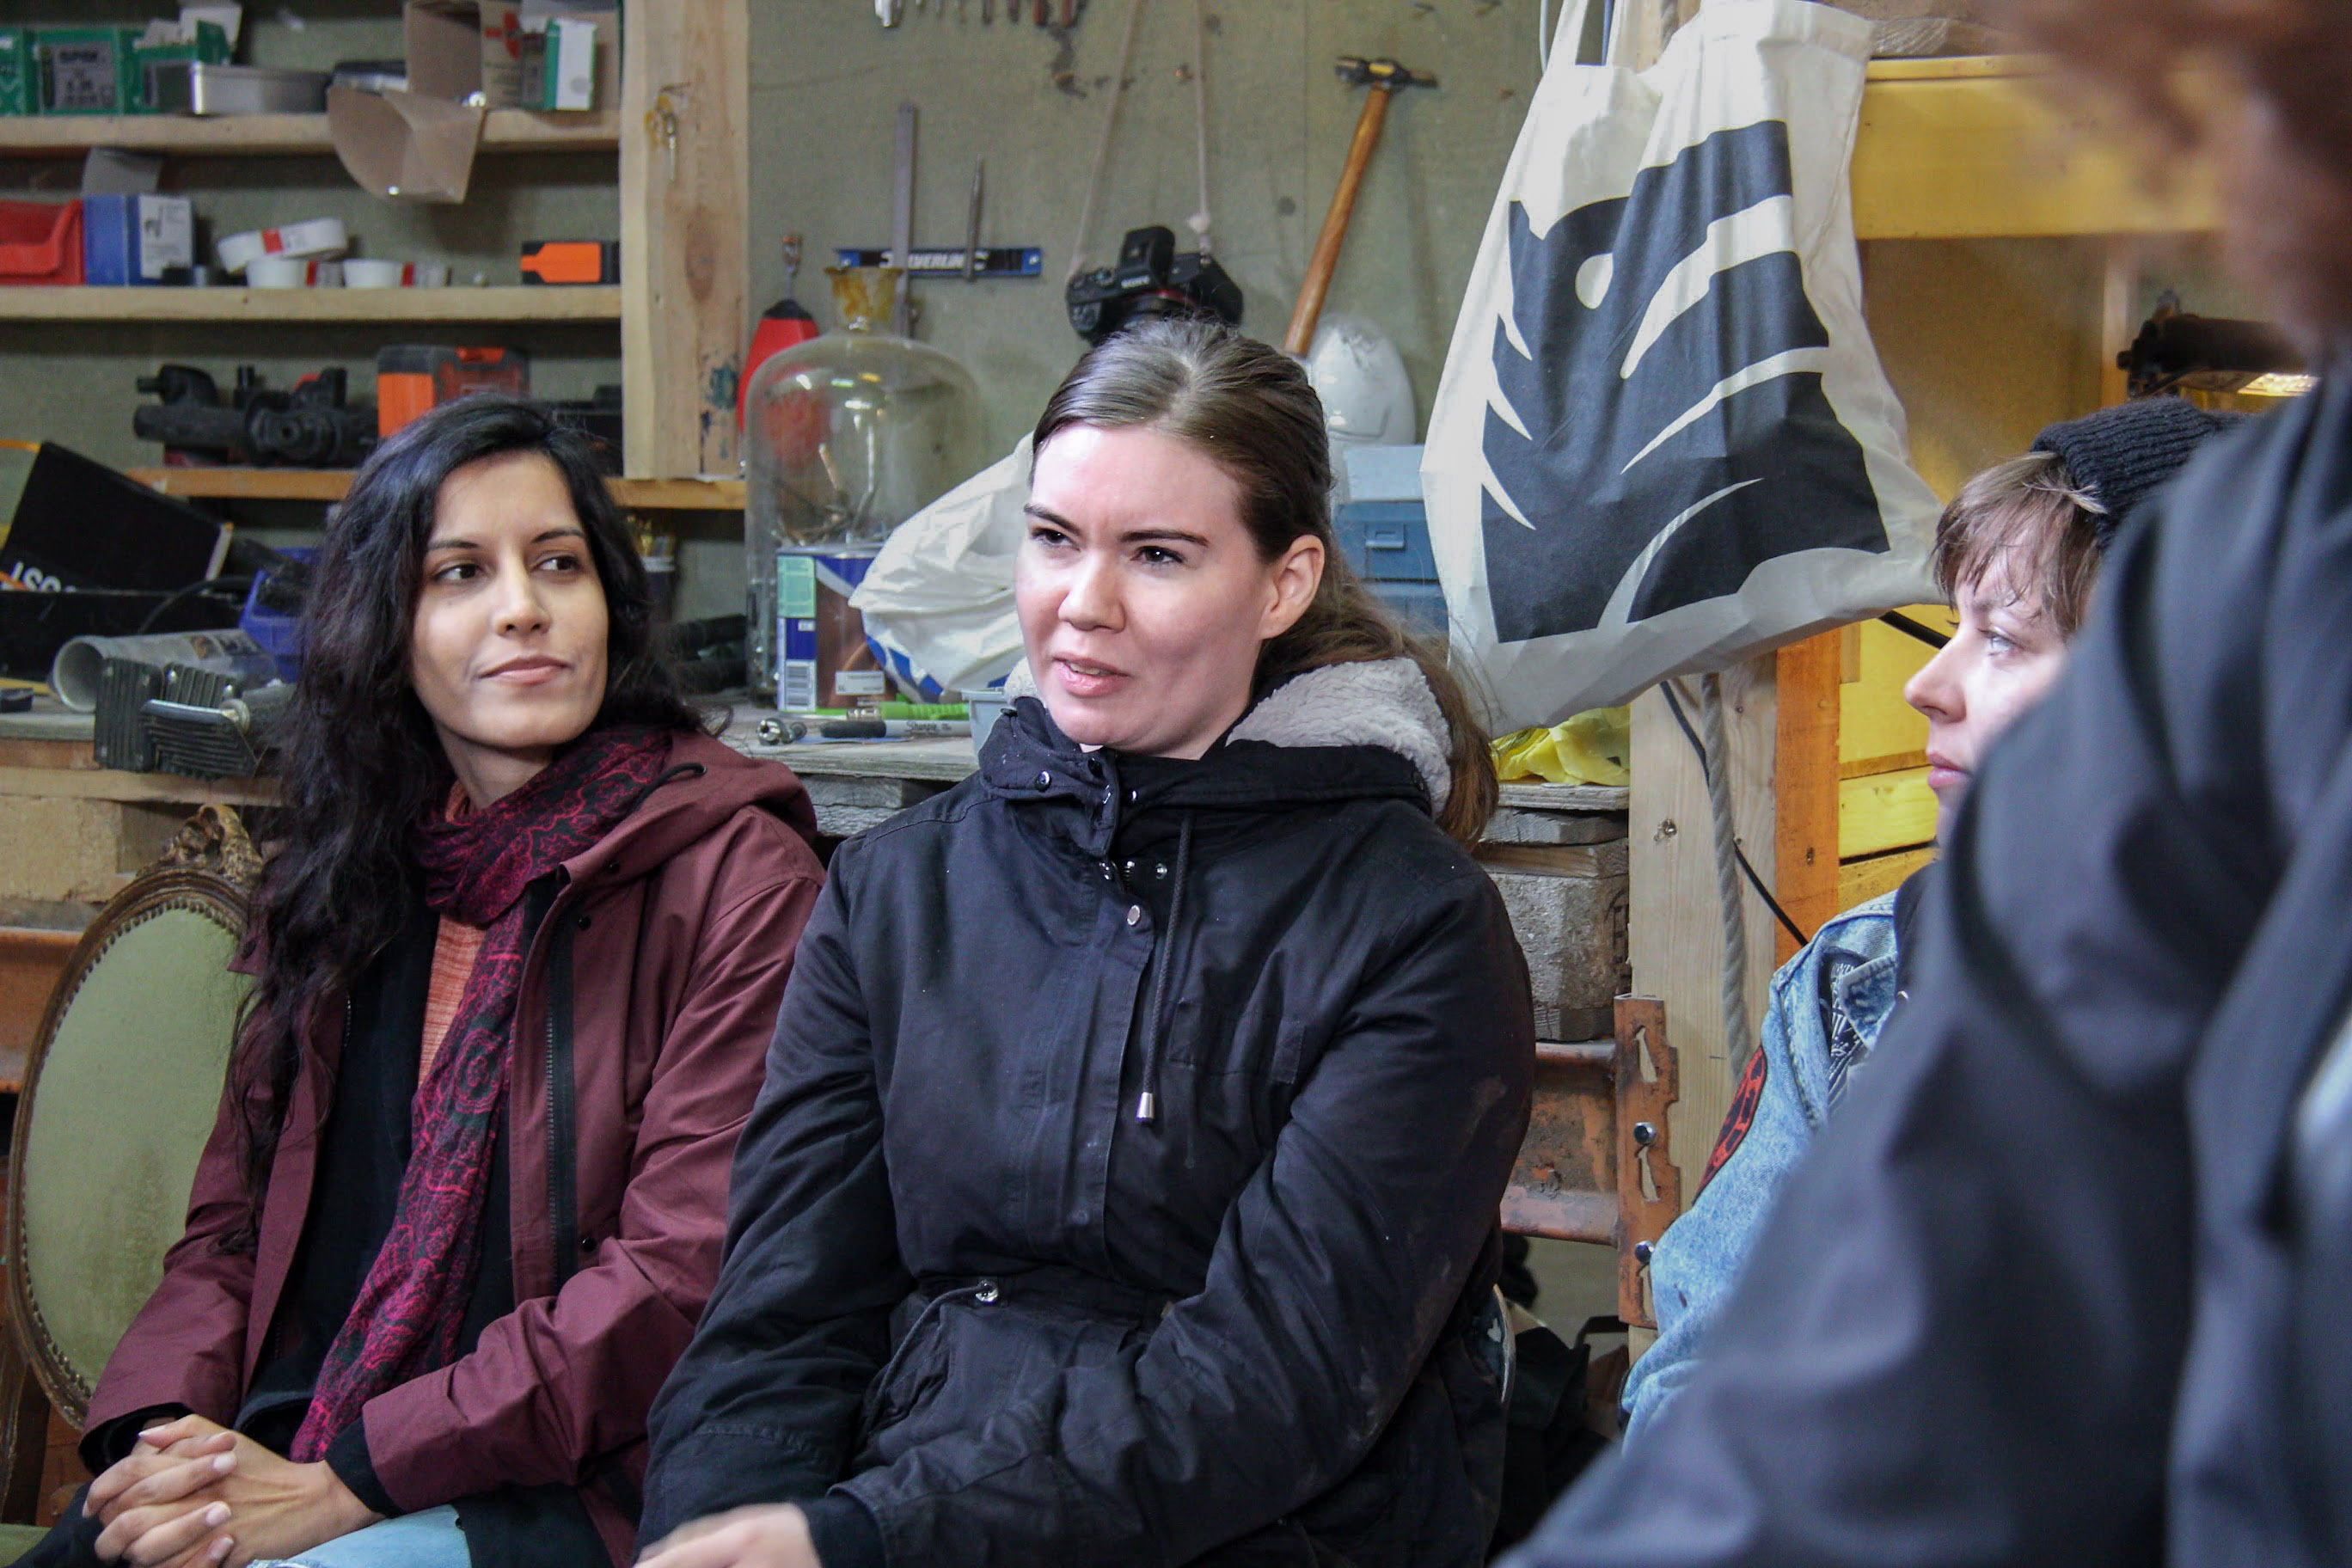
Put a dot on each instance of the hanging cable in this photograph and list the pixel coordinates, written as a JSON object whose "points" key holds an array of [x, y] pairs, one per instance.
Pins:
{"points": [[1199, 222], [1726, 872], [1698, 749], [1543, 35], [1102, 143], [1911, 628]]}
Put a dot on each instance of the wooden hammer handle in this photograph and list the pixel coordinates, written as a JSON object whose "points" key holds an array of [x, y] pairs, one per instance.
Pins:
{"points": [[1326, 259]]}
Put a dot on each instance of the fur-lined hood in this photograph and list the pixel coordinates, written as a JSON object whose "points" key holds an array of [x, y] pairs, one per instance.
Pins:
{"points": [[1384, 706]]}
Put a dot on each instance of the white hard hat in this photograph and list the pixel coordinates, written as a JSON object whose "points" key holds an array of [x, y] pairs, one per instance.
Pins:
{"points": [[1360, 377]]}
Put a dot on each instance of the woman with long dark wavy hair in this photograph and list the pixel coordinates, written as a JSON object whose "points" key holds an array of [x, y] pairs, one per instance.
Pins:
{"points": [[1125, 1184], [516, 962]]}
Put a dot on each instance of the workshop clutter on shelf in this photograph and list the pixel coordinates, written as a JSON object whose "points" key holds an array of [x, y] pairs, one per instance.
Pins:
{"points": [[846, 437]]}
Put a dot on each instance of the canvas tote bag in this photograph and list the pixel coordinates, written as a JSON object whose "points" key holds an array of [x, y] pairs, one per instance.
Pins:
{"points": [[1663, 441]]}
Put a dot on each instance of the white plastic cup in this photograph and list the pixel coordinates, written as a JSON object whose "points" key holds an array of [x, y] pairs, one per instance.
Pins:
{"points": [[433, 275], [278, 272], [369, 273]]}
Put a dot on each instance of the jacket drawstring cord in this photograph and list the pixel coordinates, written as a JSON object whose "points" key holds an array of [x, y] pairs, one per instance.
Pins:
{"points": [[1147, 1104]]}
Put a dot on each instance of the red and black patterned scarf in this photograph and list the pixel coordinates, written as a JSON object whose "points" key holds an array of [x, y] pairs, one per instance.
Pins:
{"points": [[412, 1306]]}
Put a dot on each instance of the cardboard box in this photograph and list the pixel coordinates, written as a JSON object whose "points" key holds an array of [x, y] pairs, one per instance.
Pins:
{"points": [[404, 146], [131, 240], [88, 70], [80, 524], [418, 146], [465, 51], [20, 78], [559, 65]]}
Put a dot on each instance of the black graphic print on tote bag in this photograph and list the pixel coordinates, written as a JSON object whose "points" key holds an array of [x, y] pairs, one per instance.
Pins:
{"points": [[1650, 457]]}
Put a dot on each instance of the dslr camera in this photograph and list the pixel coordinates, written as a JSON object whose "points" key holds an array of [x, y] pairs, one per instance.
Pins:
{"points": [[1150, 280]]}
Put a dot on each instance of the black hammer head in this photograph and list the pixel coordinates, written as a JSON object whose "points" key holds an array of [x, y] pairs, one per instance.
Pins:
{"points": [[1386, 75]]}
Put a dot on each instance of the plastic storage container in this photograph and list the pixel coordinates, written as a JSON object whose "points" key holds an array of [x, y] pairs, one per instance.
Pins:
{"points": [[1382, 529], [846, 437], [40, 242]]}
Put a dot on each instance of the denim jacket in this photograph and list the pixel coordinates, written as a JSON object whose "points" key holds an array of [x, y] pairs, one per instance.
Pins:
{"points": [[1828, 1005]]}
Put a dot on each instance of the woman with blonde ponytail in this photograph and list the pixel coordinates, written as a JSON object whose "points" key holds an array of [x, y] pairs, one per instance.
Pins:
{"points": [[1125, 1185]]}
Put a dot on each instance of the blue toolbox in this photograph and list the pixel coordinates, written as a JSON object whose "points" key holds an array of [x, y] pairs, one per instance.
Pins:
{"points": [[1383, 531]]}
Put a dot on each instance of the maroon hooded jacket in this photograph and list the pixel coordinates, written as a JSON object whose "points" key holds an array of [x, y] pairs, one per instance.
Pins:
{"points": [[640, 1038]]}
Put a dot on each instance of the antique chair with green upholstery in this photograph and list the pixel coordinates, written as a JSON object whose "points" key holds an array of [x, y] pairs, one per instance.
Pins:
{"points": [[121, 1093]]}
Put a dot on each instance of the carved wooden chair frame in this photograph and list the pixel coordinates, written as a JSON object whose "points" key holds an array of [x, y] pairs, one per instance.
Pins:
{"points": [[210, 869]]}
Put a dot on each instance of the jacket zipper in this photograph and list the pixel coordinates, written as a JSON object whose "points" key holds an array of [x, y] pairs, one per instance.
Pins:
{"points": [[562, 1131]]}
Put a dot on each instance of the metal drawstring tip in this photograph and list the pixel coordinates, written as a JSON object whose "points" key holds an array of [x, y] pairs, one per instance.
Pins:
{"points": [[1147, 1107]]}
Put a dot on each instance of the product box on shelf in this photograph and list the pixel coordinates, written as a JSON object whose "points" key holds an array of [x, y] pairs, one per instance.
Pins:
{"points": [[20, 79], [559, 64], [205, 44], [129, 240], [88, 70]]}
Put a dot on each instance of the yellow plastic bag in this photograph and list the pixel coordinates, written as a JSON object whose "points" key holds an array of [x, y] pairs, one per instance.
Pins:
{"points": [[1589, 748]]}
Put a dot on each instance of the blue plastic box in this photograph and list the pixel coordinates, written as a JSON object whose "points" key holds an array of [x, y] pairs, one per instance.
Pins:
{"points": [[279, 632], [132, 239], [1383, 531]]}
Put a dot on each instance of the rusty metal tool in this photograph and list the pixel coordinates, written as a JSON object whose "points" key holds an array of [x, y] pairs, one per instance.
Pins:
{"points": [[1384, 78]]}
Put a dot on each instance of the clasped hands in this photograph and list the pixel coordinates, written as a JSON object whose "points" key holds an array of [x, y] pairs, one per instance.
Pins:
{"points": [[193, 1494]]}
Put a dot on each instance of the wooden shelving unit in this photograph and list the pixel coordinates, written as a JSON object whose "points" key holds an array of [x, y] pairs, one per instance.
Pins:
{"points": [[507, 303], [1988, 146], [693, 494], [503, 130]]}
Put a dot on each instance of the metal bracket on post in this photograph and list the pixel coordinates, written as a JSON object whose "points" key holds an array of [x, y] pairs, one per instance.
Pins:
{"points": [[1649, 1186]]}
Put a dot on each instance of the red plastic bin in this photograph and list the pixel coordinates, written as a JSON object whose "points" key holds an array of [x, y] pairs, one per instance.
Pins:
{"points": [[40, 242]]}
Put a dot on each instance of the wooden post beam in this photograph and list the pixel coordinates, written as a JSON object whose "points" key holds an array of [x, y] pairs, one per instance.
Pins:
{"points": [[1805, 785], [1674, 918], [685, 106]]}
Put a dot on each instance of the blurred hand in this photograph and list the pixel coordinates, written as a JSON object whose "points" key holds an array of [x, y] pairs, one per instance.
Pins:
{"points": [[775, 1536]]}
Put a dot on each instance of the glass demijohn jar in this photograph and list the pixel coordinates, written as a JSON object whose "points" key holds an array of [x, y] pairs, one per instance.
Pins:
{"points": [[846, 437]]}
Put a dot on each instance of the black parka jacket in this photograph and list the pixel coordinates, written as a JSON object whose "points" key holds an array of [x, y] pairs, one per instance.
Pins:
{"points": [[2068, 1281], [969, 1288]]}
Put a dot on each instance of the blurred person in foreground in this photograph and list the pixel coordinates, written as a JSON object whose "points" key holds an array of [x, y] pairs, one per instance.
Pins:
{"points": [[2064, 1281]]}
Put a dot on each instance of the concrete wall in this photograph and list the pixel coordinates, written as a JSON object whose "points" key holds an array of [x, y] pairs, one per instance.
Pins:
{"points": [[826, 80]]}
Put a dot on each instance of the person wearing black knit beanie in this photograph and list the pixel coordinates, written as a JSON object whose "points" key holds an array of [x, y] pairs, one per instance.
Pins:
{"points": [[2118, 455], [2016, 552]]}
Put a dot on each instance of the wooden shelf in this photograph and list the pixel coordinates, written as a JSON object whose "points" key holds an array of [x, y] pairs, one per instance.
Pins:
{"points": [[247, 484], [693, 494], [503, 130], [514, 302], [1993, 146]]}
